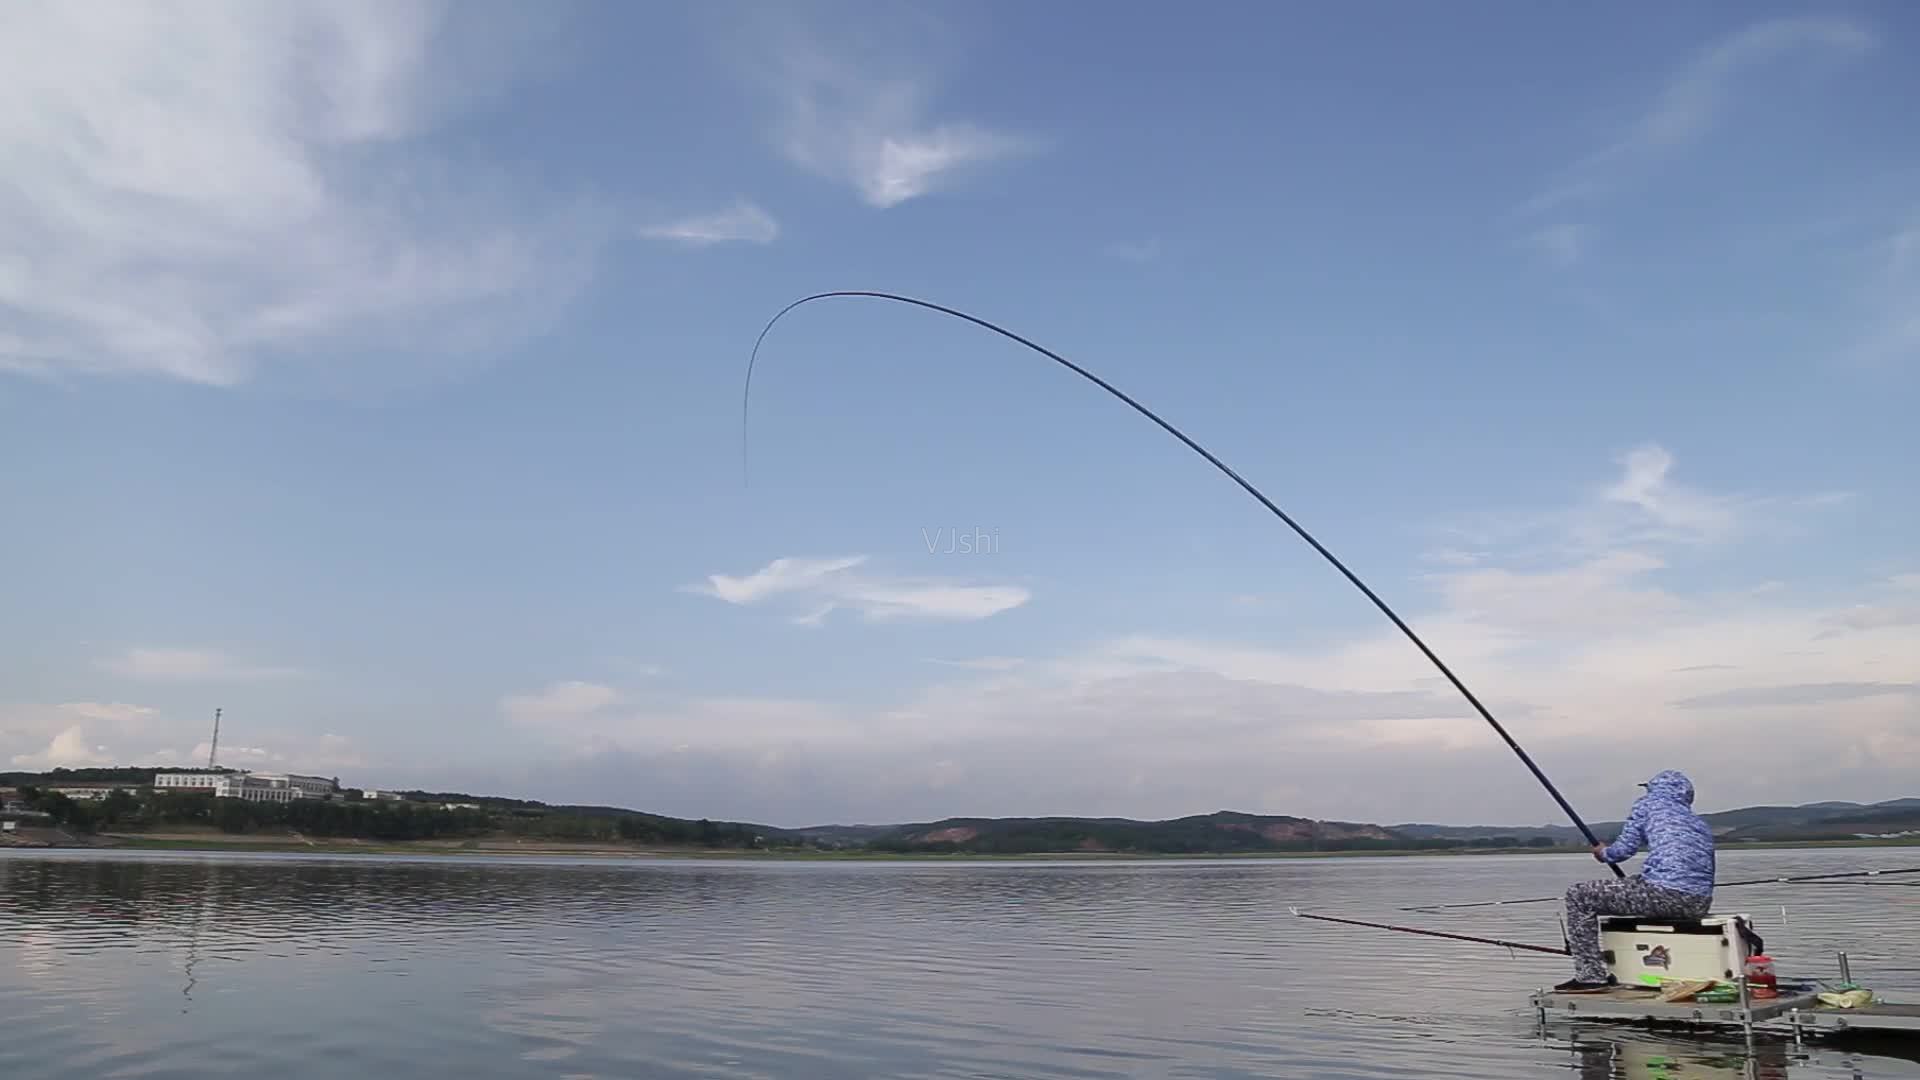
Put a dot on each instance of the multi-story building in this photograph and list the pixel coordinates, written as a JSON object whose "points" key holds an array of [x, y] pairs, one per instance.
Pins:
{"points": [[189, 781], [251, 787], [309, 787]]}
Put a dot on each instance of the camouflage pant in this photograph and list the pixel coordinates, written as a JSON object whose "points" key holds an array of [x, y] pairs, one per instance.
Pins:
{"points": [[1588, 900]]}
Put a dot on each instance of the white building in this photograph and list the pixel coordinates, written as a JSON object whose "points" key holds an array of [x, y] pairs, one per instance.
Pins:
{"points": [[250, 787], [309, 787], [188, 781], [90, 792]]}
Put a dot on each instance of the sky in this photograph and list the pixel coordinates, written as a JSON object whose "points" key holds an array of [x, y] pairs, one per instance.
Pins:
{"points": [[373, 372]]}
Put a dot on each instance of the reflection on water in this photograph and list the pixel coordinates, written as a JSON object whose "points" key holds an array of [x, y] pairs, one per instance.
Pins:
{"points": [[188, 965], [1632, 1056]]}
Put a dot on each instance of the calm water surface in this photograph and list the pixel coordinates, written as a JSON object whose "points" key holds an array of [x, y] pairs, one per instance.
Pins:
{"points": [[186, 965]]}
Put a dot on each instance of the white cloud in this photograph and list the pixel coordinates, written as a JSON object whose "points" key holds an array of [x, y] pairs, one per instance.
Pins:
{"points": [[863, 115], [742, 222], [193, 188], [936, 600], [205, 665], [1687, 513], [832, 584], [70, 748], [778, 576]]}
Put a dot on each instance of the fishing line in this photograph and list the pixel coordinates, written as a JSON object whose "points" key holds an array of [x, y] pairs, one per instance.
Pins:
{"points": [[1436, 933], [1218, 464]]}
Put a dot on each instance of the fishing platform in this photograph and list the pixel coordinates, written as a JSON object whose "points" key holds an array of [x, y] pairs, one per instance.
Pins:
{"points": [[1695, 973], [1798, 1011]]}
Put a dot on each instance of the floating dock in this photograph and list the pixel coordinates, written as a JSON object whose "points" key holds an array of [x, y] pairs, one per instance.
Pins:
{"points": [[1797, 1011]]}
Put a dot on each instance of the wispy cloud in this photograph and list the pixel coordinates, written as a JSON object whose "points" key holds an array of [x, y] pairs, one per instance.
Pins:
{"points": [[1642, 505], [1798, 694], [1449, 556], [1893, 295], [1562, 245], [1680, 511], [743, 222], [110, 712], [1696, 96], [831, 584], [982, 663], [560, 702], [190, 212], [862, 112], [203, 665], [1138, 252]]}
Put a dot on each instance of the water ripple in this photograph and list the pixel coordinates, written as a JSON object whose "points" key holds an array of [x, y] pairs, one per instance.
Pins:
{"points": [[165, 965]]}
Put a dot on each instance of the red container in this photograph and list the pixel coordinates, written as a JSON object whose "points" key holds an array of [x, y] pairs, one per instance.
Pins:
{"points": [[1761, 982]]}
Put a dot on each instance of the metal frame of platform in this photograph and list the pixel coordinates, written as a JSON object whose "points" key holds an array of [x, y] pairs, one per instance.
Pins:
{"points": [[1629, 1003], [1797, 1011], [1884, 1018]]}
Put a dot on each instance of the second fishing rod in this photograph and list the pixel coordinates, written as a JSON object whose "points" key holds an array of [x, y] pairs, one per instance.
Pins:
{"points": [[1862, 877], [1353, 578]]}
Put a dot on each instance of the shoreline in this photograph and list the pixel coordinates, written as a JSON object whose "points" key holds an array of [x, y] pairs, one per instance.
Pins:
{"points": [[282, 844]]}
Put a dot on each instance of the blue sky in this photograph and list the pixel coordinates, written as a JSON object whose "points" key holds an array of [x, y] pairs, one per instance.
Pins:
{"points": [[373, 372]]}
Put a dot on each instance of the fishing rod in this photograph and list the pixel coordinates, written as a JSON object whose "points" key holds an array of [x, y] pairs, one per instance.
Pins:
{"points": [[1803, 879], [1436, 933], [1218, 464]]}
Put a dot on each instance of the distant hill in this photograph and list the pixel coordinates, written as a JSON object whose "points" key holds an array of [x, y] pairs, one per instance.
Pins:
{"points": [[1560, 834], [1227, 832], [1216, 833], [1809, 821], [843, 835]]}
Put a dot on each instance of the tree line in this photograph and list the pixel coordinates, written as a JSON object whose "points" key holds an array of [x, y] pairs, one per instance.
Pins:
{"points": [[135, 810]]}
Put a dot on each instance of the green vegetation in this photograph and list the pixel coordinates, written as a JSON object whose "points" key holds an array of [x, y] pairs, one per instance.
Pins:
{"points": [[417, 816]]}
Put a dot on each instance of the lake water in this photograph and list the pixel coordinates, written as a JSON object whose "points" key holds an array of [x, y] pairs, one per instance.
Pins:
{"points": [[188, 965]]}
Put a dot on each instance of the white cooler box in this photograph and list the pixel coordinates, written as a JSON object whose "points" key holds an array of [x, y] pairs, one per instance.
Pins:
{"points": [[1642, 951]]}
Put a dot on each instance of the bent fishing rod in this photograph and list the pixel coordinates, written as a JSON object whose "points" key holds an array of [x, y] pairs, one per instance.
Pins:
{"points": [[1218, 464], [1804, 879]]}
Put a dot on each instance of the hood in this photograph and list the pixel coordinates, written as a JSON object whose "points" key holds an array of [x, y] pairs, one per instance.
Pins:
{"points": [[1671, 786]]}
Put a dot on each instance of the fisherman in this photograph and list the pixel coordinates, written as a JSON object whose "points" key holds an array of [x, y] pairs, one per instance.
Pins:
{"points": [[1676, 882]]}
